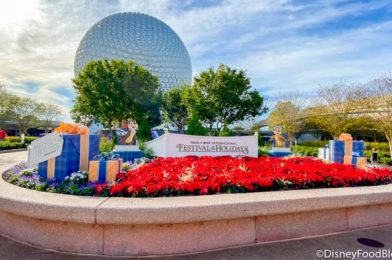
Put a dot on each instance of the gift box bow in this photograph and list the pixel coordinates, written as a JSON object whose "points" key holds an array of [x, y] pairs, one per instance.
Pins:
{"points": [[66, 128]]}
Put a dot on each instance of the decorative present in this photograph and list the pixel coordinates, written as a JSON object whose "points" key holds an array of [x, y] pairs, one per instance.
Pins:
{"points": [[347, 151], [129, 156], [348, 143], [323, 153], [78, 148], [348, 159], [361, 162], [336, 151], [104, 168], [359, 148]]}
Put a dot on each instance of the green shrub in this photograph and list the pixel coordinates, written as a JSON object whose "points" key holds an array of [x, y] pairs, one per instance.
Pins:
{"points": [[261, 140], [195, 127], [144, 131], [7, 145], [263, 151], [226, 131], [105, 145], [16, 139], [305, 150], [385, 160], [13, 139], [379, 146]]}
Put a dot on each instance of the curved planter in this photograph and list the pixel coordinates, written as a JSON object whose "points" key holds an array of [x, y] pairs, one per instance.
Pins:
{"points": [[177, 225]]}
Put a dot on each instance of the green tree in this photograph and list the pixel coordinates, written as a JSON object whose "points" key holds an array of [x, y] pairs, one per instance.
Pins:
{"points": [[289, 116], [375, 97], [331, 109], [174, 108], [110, 91], [144, 130], [25, 112], [195, 127], [225, 131], [223, 95], [48, 114], [7, 102]]}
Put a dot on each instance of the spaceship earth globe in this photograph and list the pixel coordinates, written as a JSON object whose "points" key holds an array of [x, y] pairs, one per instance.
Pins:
{"points": [[141, 38]]}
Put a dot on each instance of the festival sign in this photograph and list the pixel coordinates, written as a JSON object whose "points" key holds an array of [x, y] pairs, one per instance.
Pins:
{"points": [[44, 148], [178, 145]]}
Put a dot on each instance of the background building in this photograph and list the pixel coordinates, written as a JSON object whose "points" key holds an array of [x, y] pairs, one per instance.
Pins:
{"points": [[141, 38]]}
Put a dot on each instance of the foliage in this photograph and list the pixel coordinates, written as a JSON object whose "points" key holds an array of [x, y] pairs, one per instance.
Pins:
{"points": [[331, 109], [174, 108], [17, 139], [195, 127], [260, 140], [7, 145], [384, 147], [305, 150], [376, 96], [110, 91], [223, 95], [105, 145], [48, 114], [76, 184], [6, 106], [288, 115], [144, 131], [226, 131], [263, 151], [25, 112]]}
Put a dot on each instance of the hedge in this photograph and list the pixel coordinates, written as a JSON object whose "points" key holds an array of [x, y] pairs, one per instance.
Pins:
{"points": [[7, 145], [305, 150], [16, 139]]}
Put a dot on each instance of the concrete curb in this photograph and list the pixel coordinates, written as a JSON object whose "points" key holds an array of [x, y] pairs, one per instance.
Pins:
{"points": [[13, 150], [177, 225]]}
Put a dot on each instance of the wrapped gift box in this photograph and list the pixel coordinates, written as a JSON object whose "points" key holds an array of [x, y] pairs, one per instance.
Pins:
{"points": [[102, 171], [360, 162], [336, 150], [348, 143], [75, 155], [129, 156]]}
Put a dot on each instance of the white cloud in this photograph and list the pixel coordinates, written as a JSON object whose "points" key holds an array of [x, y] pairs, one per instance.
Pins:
{"points": [[281, 43]]}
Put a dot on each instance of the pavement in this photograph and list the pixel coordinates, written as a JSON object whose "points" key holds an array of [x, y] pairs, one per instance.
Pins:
{"points": [[12, 158], [375, 243], [377, 240]]}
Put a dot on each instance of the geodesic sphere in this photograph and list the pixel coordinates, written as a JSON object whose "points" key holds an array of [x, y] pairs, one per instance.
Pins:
{"points": [[141, 38]]}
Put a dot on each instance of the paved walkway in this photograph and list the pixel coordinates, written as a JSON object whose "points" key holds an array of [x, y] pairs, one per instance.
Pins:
{"points": [[377, 239], [381, 239], [12, 158]]}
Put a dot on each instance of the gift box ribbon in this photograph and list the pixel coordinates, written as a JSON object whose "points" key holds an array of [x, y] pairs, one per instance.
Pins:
{"points": [[109, 165], [84, 152]]}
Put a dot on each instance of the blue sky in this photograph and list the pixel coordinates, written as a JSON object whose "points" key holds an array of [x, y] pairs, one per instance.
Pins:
{"points": [[283, 45]]}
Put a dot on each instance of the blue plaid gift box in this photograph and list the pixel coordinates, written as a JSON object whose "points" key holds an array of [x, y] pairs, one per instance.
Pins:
{"points": [[129, 156], [104, 168], [336, 151], [77, 151], [358, 148]]}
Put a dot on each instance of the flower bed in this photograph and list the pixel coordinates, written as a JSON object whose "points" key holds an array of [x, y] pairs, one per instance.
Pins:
{"points": [[210, 175]]}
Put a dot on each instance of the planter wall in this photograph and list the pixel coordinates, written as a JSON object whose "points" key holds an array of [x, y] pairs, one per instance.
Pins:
{"points": [[178, 225]]}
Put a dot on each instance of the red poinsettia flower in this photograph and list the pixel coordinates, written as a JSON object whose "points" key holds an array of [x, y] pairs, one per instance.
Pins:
{"points": [[208, 175]]}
